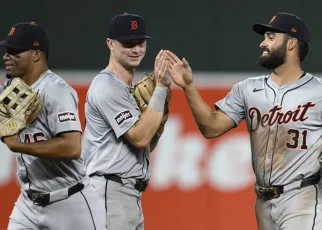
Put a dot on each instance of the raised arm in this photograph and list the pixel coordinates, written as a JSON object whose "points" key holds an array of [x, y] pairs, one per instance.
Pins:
{"points": [[211, 123]]}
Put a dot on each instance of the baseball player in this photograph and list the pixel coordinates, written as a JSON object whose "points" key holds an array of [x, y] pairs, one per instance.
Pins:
{"points": [[118, 137], [283, 113], [55, 192]]}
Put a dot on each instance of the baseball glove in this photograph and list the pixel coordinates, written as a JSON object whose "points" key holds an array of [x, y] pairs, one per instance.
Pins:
{"points": [[142, 93], [19, 106]]}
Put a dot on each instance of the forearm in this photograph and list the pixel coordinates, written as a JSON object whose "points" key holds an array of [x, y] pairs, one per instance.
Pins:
{"points": [[201, 111], [145, 128], [57, 148]]}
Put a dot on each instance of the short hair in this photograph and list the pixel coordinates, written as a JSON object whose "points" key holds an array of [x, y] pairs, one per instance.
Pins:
{"points": [[46, 55], [303, 49]]}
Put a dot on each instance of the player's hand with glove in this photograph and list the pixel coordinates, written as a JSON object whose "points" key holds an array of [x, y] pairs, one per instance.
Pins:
{"points": [[19, 106], [179, 70], [144, 90]]}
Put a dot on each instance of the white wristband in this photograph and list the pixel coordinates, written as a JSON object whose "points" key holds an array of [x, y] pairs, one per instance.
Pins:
{"points": [[158, 98]]}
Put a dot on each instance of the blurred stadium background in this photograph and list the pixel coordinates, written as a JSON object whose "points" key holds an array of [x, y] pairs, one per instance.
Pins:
{"points": [[196, 183]]}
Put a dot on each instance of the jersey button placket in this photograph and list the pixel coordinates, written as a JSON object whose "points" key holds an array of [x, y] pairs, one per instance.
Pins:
{"points": [[271, 142], [278, 97], [269, 153]]}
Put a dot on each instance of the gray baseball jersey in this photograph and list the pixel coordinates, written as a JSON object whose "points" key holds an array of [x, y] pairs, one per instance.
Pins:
{"points": [[81, 210], [60, 114], [110, 112], [285, 127]]}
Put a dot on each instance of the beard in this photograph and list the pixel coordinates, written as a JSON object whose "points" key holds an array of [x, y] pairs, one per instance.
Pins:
{"points": [[275, 57], [9, 76]]}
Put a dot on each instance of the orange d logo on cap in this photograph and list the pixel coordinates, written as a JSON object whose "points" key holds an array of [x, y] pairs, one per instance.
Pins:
{"points": [[134, 25], [12, 31]]}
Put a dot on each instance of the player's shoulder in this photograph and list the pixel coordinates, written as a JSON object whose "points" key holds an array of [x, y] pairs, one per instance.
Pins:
{"points": [[261, 78], [315, 79], [313, 83], [107, 83], [107, 78], [255, 81], [55, 84]]}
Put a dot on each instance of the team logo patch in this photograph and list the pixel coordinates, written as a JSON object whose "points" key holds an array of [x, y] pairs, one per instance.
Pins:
{"points": [[122, 116], [67, 116]]}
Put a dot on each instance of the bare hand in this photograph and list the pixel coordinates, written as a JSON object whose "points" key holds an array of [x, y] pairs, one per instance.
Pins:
{"points": [[161, 69], [179, 70], [11, 141]]}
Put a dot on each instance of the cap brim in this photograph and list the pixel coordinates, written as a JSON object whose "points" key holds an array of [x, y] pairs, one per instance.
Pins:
{"points": [[263, 28], [133, 37], [4, 43]]}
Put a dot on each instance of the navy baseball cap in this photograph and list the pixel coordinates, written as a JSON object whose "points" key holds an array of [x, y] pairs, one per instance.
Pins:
{"points": [[286, 23], [27, 36], [125, 27]]}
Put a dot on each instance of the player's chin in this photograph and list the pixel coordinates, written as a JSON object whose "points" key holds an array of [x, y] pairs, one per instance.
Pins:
{"points": [[264, 58], [134, 63], [9, 75]]}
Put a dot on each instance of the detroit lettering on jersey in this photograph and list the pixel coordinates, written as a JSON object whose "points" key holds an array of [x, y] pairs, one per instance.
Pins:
{"points": [[121, 117], [275, 116], [67, 116], [284, 123]]}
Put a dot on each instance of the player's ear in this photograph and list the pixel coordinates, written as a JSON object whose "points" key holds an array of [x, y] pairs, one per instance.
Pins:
{"points": [[36, 55], [110, 44], [292, 43]]}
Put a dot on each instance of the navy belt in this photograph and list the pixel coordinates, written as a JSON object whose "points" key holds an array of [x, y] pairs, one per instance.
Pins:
{"points": [[140, 185], [268, 193], [43, 199]]}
